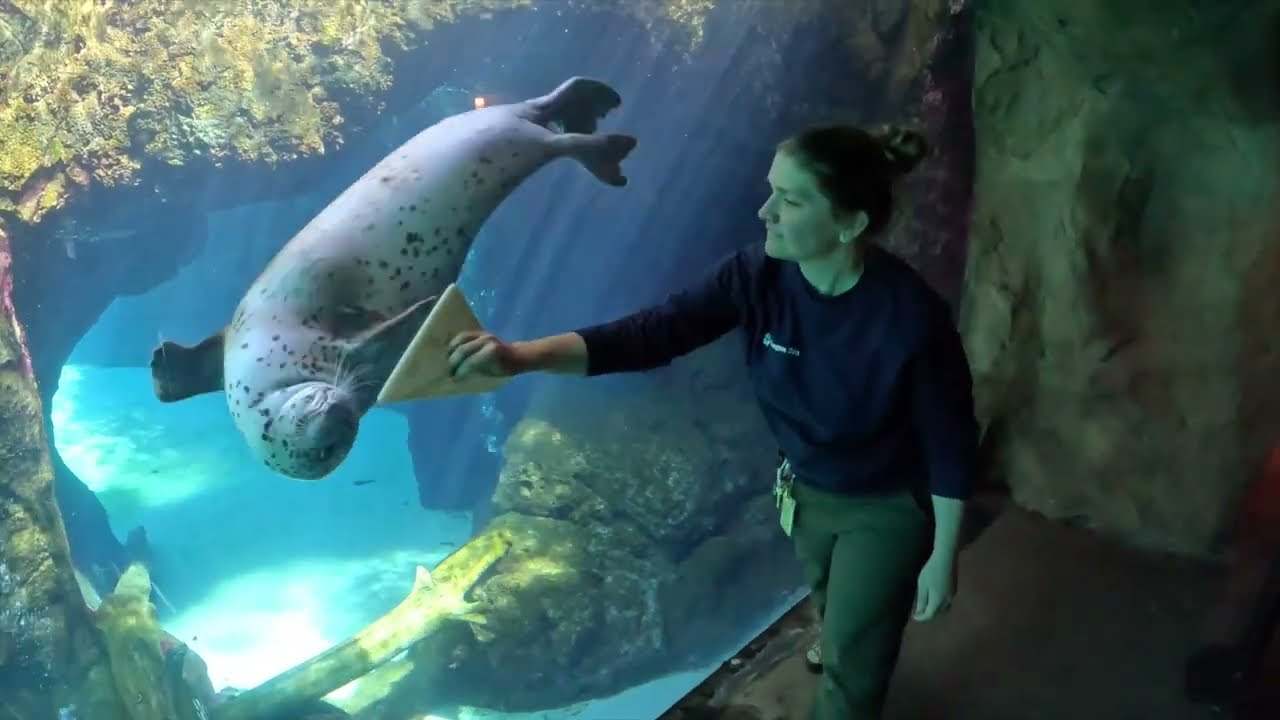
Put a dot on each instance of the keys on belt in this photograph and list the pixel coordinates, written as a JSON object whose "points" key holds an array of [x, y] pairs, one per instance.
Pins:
{"points": [[782, 496]]}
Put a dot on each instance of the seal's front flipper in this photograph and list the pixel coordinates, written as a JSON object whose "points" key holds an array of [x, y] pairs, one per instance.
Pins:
{"points": [[378, 348], [179, 372], [601, 154], [423, 370], [351, 320]]}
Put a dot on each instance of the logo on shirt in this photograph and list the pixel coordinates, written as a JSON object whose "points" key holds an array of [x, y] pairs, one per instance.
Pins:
{"points": [[769, 343]]}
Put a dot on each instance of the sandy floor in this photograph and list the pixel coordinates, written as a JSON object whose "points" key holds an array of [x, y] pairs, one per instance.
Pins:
{"points": [[1051, 624]]}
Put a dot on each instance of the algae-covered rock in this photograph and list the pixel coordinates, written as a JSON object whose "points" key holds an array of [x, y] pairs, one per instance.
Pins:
{"points": [[50, 653], [98, 91]]}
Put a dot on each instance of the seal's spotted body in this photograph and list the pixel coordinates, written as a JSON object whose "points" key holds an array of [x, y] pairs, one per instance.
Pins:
{"points": [[321, 328]]}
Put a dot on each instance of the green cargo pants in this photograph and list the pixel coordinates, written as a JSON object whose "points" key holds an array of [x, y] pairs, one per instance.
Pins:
{"points": [[861, 557]]}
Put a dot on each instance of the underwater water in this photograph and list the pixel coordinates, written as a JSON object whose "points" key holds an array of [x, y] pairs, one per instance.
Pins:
{"points": [[257, 572]]}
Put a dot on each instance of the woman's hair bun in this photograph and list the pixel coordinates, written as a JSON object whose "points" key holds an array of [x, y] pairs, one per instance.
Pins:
{"points": [[904, 147]]}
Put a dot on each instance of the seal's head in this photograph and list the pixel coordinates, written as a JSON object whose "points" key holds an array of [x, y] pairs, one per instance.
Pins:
{"points": [[307, 430]]}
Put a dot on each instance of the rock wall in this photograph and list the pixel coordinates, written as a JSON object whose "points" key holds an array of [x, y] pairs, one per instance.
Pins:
{"points": [[48, 646], [60, 296], [1119, 306]]}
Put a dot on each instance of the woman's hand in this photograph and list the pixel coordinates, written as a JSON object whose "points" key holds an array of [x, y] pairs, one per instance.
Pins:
{"points": [[480, 353], [935, 586]]}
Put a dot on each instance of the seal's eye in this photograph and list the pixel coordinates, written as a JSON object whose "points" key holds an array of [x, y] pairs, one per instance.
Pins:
{"points": [[326, 452]]}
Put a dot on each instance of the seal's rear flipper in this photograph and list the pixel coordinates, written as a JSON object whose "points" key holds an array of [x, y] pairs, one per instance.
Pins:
{"points": [[423, 370], [576, 105], [179, 372], [601, 154]]}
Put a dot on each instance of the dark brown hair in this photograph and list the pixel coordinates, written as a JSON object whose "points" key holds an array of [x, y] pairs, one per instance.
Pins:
{"points": [[857, 169]]}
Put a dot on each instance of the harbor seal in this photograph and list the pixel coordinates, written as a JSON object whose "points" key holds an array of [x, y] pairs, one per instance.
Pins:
{"points": [[320, 330]]}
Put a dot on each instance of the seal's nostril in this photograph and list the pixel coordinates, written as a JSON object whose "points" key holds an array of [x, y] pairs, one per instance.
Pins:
{"points": [[341, 414]]}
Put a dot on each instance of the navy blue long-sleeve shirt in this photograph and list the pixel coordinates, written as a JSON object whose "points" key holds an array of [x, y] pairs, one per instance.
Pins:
{"points": [[866, 392]]}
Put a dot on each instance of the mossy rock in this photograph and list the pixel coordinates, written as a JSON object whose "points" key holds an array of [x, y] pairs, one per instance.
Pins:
{"points": [[111, 87]]}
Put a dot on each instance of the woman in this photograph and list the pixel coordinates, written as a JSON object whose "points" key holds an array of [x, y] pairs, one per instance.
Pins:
{"points": [[861, 377]]}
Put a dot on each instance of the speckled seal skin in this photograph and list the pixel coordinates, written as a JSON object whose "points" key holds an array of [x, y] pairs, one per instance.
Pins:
{"points": [[319, 331]]}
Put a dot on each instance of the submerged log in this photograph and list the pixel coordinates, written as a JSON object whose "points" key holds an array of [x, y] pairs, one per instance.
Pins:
{"points": [[433, 600], [137, 653]]}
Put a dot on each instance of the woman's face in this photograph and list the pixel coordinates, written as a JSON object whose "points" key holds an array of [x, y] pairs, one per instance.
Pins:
{"points": [[800, 222]]}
